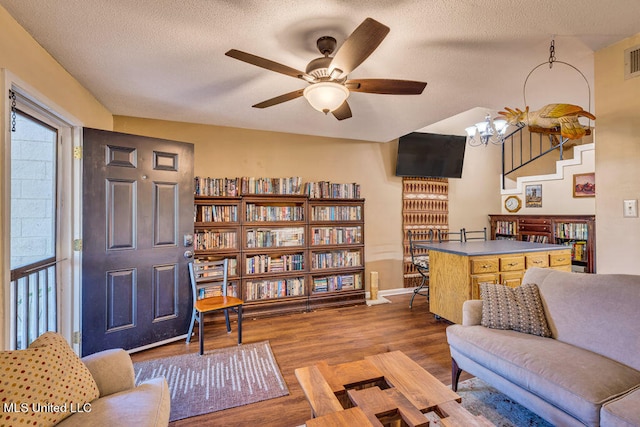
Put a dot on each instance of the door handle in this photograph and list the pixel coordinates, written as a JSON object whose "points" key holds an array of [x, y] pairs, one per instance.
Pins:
{"points": [[188, 254]]}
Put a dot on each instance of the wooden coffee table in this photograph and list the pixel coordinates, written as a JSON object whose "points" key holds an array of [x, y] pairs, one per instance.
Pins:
{"points": [[384, 389]]}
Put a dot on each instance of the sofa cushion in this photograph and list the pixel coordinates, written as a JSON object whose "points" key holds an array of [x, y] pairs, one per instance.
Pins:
{"points": [[598, 312], [147, 405], [575, 380], [519, 309], [48, 379], [622, 412]]}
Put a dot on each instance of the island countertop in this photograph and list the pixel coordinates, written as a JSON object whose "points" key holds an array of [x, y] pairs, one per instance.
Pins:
{"points": [[489, 247]]}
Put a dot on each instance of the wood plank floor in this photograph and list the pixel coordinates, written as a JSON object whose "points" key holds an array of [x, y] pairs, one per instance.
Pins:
{"points": [[337, 335]]}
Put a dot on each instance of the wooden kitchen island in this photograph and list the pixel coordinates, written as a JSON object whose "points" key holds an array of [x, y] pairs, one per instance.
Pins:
{"points": [[458, 268]]}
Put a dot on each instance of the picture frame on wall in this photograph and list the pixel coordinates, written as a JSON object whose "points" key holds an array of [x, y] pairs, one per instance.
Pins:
{"points": [[584, 184], [533, 196]]}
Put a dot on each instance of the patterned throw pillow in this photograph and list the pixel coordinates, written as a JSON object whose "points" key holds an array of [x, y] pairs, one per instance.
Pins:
{"points": [[519, 309], [44, 384]]}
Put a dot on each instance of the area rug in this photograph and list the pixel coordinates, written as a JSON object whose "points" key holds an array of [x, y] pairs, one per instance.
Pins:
{"points": [[479, 398], [379, 300], [219, 379]]}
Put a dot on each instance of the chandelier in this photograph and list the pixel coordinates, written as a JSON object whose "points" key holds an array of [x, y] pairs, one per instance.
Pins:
{"points": [[488, 131]]}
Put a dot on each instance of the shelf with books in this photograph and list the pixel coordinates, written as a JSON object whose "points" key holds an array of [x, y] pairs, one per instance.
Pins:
{"points": [[269, 238], [575, 231]]}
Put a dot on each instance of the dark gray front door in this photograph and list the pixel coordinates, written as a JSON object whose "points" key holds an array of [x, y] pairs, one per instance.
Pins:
{"points": [[137, 209]]}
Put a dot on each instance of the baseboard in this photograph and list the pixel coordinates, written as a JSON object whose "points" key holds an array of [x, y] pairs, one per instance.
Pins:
{"points": [[387, 292]]}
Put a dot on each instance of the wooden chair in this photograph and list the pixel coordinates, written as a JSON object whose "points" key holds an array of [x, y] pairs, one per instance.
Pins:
{"points": [[420, 260], [212, 272], [450, 236], [474, 234]]}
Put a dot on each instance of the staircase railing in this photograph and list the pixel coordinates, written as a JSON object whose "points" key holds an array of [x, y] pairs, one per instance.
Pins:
{"points": [[521, 148]]}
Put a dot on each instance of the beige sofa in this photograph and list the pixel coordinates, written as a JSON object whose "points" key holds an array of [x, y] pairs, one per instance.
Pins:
{"points": [[587, 373], [121, 403]]}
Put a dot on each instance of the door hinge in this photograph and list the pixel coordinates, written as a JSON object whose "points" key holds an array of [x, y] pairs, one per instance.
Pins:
{"points": [[77, 337], [77, 245], [77, 152]]}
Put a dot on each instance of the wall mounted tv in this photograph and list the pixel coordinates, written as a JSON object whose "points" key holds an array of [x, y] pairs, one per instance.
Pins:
{"points": [[430, 155]]}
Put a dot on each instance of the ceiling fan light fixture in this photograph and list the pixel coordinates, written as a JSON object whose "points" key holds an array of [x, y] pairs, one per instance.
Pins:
{"points": [[326, 96]]}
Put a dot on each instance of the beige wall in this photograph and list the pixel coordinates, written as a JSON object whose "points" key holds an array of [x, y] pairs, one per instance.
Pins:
{"points": [[27, 63], [617, 160]]}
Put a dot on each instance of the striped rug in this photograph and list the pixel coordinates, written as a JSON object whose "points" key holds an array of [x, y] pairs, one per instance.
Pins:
{"points": [[220, 379]]}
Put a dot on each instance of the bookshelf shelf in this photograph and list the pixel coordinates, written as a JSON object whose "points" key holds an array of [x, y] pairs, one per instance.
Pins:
{"points": [[273, 240], [575, 231]]}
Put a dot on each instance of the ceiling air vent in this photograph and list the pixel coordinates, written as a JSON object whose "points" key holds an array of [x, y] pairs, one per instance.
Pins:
{"points": [[632, 62]]}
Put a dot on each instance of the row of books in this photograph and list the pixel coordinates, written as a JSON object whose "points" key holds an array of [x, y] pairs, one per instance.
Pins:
{"points": [[337, 283], [275, 238], [506, 227], [277, 288], [216, 273], [336, 213], [538, 238], [578, 250], [572, 230], [234, 187], [336, 235], [216, 291], [264, 263], [216, 213], [336, 259], [210, 240], [326, 189], [274, 213], [216, 187]]}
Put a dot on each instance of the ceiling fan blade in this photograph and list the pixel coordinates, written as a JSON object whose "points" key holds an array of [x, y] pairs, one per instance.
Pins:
{"points": [[359, 45], [280, 99], [386, 86], [342, 112], [265, 63]]}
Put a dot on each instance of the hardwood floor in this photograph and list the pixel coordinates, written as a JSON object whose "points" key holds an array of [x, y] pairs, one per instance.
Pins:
{"points": [[336, 335]]}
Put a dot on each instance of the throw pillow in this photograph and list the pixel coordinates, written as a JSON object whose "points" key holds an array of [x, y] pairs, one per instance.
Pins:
{"points": [[519, 309], [43, 384]]}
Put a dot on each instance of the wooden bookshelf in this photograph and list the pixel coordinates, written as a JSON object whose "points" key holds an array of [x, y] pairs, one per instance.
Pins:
{"points": [[336, 251], [290, 253], [575, 231]]}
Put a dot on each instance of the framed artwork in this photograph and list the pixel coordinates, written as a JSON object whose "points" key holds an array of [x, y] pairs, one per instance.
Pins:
{"points": [[533, 196], [584, 184]]}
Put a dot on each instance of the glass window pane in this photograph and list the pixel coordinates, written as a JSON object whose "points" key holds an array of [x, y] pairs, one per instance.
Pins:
{"points": [[33, 190]]}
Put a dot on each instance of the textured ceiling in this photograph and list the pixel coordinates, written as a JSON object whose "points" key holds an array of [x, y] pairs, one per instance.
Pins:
{"points": [[164, 59]]}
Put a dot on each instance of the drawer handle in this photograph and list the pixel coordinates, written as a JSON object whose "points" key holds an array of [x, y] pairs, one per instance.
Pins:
{"points": [[486, 266], [537, 262], [512, 264], [561, 259]]}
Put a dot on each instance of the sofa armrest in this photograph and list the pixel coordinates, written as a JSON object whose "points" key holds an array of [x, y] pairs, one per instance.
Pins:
{"points": [[112, 370], [472, 312]]}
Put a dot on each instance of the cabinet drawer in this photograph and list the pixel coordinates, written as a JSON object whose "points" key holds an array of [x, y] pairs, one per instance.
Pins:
{"points": [[482, 278], [511, 278], [537, 260], [560, 258], [539, 228], [512, 263], [484, 265], [535, 221]]}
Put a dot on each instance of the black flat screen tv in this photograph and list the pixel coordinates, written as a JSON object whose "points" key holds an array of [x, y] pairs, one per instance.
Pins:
{"points": [[430, 155]]}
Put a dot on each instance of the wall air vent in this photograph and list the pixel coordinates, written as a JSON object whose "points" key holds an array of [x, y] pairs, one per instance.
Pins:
{"points": [[632, 62]]}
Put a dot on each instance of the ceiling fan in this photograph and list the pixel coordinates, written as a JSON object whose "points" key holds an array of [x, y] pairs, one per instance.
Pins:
{"points": [[329, 86]]}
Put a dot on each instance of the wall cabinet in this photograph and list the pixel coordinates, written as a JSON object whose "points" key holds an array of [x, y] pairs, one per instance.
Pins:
{"points": [[578, 232], [289, 253]]}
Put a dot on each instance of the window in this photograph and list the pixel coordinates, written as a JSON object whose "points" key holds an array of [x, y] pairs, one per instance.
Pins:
{"points": [[41, 257]]}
